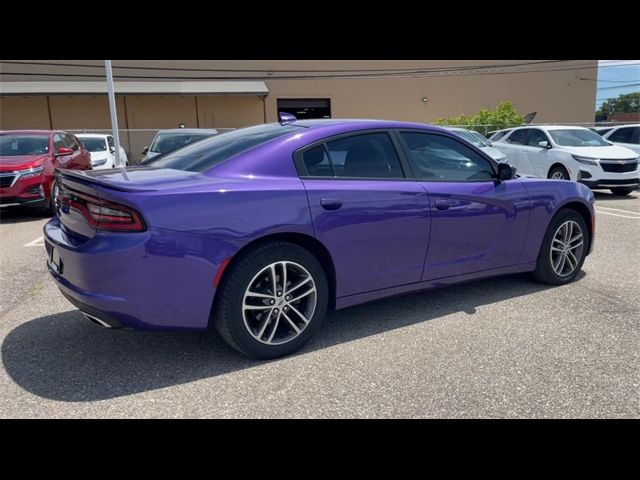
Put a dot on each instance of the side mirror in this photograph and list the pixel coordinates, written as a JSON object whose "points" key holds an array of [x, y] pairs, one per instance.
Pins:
{"points": [[64, 151], [505, 172], [544, 144], [112, 149], [490, 143], [145, 150]]}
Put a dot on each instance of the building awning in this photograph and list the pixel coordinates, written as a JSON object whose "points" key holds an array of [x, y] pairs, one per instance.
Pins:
{"points": [[134, 88]]}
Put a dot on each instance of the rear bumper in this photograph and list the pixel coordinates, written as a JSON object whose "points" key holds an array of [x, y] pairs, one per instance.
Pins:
{"points": [[156, 280]]}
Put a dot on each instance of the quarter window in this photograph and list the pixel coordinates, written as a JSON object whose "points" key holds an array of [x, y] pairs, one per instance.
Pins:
{"points": [[440, 158]]}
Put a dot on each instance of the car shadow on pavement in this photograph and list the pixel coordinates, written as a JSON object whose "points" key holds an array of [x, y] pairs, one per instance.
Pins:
{"points": [[20, 214], [608, 196], [65, 357]]}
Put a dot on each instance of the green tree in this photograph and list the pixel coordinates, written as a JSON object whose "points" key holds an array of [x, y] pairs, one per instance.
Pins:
{"points": [[503, 116], [625, 103]]}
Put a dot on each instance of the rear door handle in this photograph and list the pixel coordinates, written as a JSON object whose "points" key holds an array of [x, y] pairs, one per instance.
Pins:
{"points": [[331, 203]]}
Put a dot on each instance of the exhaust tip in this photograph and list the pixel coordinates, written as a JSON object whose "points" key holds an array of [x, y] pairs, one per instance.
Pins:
{"points": [[96, 320]]}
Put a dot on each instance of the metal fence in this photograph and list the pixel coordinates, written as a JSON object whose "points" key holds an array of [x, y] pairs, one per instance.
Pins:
{"points": [[133, 140]]}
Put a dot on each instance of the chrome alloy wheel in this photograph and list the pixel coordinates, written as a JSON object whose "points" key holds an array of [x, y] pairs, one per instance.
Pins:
{"points": [[279, 303], [566, 248], [558, 175]]}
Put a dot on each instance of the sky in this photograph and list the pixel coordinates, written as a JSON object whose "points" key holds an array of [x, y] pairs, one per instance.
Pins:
{"points": [[616, 77]]}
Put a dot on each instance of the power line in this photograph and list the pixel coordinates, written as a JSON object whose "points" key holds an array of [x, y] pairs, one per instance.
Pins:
{"points": [[183, 69], [417, 73], [620, 86]]}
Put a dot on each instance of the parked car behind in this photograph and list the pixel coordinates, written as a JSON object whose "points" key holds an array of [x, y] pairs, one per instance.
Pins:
{"points": [[496, 135], [477, 139], [257, 232], [571, 153], [28, 159], [166, 141], [627, 136], [102, 149]]}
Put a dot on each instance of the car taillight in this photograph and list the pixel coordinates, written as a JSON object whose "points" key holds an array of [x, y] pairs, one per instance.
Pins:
{"points": [[103, 215]]}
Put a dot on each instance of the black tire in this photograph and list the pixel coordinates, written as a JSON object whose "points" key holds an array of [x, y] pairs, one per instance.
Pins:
{"points": [[51, 205], [544, 271], [559, 170], [621, 190], [228, 309]]}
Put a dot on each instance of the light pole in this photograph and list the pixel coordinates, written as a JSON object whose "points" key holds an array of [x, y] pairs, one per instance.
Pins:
{"points": [[112, 109]]}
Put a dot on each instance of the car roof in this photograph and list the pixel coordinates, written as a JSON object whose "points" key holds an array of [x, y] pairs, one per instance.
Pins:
{"points": [[189, 130], [85, 135], [553, 127], [43, 132]]}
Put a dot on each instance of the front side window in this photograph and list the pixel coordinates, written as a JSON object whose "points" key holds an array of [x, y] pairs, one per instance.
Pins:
{"points": [[519, 137], [625, 135], [440, 158], [370, 155], [58, 142], [535, 137], [112, 145], [574, 137], [14, 144]]}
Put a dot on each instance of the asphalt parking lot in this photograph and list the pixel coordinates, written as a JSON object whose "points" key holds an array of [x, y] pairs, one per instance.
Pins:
{"points": [[503, 347]]}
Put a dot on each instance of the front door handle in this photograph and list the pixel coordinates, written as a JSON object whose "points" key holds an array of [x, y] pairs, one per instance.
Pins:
{"points": [[443, 204], [331, 203]]}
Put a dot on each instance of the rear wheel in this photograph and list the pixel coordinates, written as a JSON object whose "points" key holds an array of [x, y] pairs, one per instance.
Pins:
{"points": [[563, 249], [272, 300], [559, 173], [621, 190]]}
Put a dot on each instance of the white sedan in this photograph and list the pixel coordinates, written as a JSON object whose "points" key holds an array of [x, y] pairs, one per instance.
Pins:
{"points": [[102, 149], [571, 153]]}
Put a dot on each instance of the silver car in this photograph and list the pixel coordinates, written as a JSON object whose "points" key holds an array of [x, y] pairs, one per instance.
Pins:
{"points": [[166, 141]]}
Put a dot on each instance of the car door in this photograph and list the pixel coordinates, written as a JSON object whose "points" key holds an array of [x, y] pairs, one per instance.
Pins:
{"points": [[534, 156], [477, 223], [373, 220], [515, 143]]}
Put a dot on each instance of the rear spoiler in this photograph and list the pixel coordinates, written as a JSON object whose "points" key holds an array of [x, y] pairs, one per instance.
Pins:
{"points": [[82, 177]]}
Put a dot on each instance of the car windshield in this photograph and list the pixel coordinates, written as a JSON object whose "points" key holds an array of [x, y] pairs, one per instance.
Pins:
{"points": [[469, 137], [167, 142], [209, 152], [94, 144], [14, 144], [577, 138], [484, 140]]}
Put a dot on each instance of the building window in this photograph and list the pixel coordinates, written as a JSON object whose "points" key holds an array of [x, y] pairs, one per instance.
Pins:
{"points": [[303, 108]]}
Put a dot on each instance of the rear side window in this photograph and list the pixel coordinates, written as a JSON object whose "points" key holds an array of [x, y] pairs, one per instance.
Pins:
{"points": [[207, 153], [317, 162], [625, 135], [365, 156]]}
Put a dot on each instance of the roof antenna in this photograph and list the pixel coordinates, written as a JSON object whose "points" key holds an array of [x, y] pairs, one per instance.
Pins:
{"points": [[284, 118]]}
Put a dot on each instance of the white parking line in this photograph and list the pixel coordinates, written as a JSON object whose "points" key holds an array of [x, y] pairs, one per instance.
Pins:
{"points": [[618, 210], [600, 212], [38, 242]]}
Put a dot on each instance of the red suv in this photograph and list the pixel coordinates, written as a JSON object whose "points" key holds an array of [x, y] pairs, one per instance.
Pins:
{"points": [[28, 159]]}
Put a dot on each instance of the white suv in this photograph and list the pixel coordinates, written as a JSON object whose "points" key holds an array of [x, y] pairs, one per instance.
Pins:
{"points": [[571, 153]]}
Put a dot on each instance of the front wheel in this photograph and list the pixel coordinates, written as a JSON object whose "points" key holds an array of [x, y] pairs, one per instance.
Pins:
{"points": [[559, 173], [563, 249], [272, 300], [621, 190], [53, 193]]}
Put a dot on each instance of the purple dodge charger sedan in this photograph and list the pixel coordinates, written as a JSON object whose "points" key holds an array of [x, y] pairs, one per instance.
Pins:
{"points": [[257, 232]]}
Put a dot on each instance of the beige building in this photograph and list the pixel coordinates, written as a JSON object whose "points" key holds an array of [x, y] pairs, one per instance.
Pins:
{"points": [[152, 94]]}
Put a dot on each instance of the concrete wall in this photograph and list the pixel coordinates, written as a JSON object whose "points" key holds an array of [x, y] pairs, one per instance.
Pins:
{"points": [[557, 94]]}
